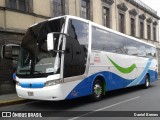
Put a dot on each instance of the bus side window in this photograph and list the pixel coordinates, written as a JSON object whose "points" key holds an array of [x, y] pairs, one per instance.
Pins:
{"points": [[131, 47], [79, 31], [141, 50], [78, 39], [118, 44], [101, 39], [150, 52]]}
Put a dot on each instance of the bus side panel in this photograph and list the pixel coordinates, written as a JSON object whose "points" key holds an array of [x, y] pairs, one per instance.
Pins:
{"points": [[153, 75], [84, 88], [101, 65]]}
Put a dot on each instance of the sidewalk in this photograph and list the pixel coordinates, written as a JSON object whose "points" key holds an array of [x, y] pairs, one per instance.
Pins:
{"points": [[11, 99]]}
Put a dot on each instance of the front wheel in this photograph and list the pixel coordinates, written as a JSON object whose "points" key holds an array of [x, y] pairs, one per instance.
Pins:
{"points": [[97, 90]]}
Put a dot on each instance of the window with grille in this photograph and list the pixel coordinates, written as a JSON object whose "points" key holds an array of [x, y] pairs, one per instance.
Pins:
{"points": [[121, 22], [141, 29], [22, 5], [154, 34], [106, 17], [132, 27], [149, 32], [58, 7], [85, 6]]}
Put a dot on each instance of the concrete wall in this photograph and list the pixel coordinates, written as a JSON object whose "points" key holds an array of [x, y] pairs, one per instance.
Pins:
{"points": [[74, 7], [2, 19], [15, 20], [97, 12], [2, 3], [42, 7]]}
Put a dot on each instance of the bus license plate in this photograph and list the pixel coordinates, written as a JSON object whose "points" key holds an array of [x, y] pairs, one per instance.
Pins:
{"points": [[30, 94]]}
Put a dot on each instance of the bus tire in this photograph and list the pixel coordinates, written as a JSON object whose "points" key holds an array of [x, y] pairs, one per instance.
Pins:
{"points": [[97, 90], [147, 82]]}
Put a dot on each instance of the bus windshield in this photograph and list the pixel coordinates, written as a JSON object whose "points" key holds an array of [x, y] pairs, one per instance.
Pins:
{"points": [[34, 59]]}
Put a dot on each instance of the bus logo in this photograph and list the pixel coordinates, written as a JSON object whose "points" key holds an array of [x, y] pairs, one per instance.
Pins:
{"points": [[97, 59]]}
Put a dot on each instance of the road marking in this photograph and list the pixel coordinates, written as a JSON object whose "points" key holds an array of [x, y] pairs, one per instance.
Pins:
{"points": [[74, 118]]}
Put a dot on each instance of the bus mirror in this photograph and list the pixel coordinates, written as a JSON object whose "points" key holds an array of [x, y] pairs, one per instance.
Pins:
{"points": [[10, 51], [50, 41]]}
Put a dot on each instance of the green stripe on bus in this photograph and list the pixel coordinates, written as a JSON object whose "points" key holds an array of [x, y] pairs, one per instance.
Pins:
{"points": [[121, 69]]}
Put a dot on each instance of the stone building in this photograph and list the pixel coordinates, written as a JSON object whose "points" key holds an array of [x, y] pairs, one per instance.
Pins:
{"points": [[15, 17], [131, 17]]}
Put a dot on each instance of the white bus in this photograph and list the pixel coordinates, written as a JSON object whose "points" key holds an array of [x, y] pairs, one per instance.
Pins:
{"points": [[68, 57]]}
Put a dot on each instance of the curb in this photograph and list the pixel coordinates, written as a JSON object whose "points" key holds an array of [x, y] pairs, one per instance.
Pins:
{"points": [[13, 102]]}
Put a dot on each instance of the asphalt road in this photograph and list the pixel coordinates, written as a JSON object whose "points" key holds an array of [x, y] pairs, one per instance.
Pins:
{"points": [[135, 99]]}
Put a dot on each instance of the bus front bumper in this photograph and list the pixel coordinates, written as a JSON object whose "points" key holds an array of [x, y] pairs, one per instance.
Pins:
{"points": [[53, 93]]}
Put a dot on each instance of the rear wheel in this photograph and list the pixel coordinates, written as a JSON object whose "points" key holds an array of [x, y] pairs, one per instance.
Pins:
{"points": [[147, 82], [97, 90]]}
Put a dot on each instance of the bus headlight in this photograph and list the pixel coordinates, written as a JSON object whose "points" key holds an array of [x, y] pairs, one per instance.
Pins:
{"points": [[52, 82]]}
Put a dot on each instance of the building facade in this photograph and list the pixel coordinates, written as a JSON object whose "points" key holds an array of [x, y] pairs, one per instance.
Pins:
{"points": [[15, 17], [131, 17]]}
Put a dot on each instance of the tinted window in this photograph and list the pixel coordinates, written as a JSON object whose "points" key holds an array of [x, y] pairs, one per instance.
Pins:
{"points": [[100, 39], [111, 42], [76, 48], [79, 31], [118, 43]]}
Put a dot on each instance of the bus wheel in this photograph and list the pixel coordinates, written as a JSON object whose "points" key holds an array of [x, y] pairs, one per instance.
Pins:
{"points": [[147, 82], [97, 90]]}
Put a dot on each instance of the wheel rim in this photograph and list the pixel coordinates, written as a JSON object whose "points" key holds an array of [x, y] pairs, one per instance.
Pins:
{"points": [[97, 90]]}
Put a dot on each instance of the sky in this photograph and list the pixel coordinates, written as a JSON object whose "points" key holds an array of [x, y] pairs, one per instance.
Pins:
{"points": [[154, 4]]}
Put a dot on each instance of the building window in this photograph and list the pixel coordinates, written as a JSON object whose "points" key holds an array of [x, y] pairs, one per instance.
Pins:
{"points": [[154, 34], [12, 4], [106, 17], [22, 5], [121, 16], [142, 17], [121, 22], [85, 6], [149, 32], [141, 29], [58, 7], [132, 27], [133, 13]]}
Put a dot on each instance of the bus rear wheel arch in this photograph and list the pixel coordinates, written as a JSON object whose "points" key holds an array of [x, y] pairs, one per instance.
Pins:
{"points": [[98, 89]]}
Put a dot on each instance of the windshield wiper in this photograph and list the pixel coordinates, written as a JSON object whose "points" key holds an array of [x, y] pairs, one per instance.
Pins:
{"points": [[39, 72]]}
